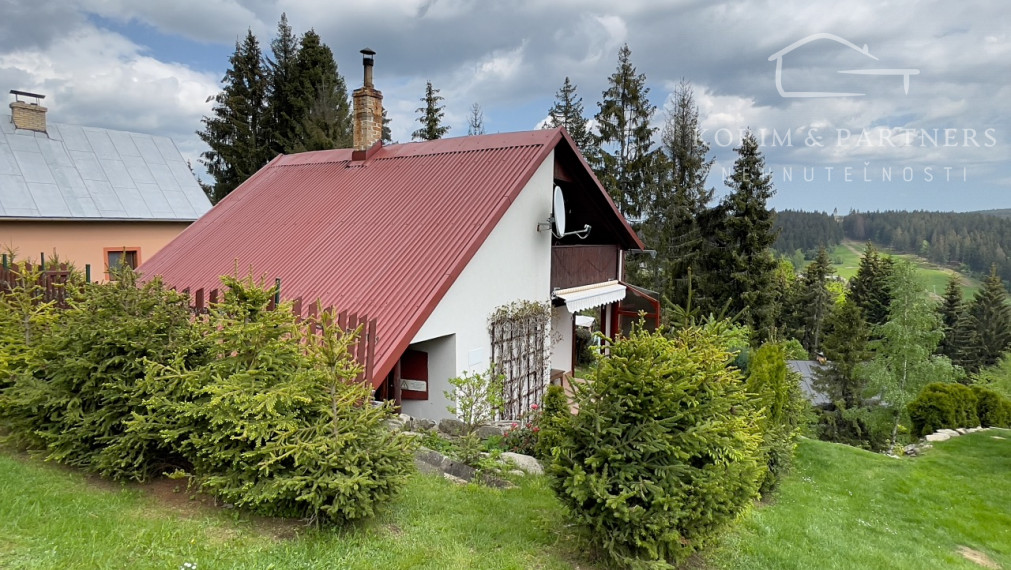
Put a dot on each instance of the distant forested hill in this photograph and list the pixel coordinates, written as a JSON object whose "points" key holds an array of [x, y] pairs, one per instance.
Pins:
{"points": [[1001, 213], [806, 231], [972, 239], [967, 240]]}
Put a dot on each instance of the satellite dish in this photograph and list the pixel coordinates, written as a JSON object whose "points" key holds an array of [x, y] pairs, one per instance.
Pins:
{"points": [[558, 213]]}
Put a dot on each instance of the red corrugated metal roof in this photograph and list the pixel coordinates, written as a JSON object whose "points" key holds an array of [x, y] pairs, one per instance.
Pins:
{"points": [[383, 237]]}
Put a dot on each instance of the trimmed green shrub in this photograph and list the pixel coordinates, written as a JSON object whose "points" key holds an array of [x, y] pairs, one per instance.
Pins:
{"points": [[665, 450], [275, 422], [776, 393], [79, 389], [24, 320], [943, 405], [993, 409], [555, 414]]}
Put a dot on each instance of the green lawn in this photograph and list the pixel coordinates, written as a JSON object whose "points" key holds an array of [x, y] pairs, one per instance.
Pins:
{"points": [[841, 508], [846, 508], [53, 518]]}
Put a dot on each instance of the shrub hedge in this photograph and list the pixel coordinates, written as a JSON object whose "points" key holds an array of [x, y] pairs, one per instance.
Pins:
{"points": [[776, 391], [261, 410], [943, 405]]}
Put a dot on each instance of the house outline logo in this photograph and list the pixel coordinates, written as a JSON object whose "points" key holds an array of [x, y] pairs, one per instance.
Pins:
{"points": [[778, 58]]}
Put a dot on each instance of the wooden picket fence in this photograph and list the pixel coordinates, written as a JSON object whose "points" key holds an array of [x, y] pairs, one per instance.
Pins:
{"points": [[364, 348], [51, 286], [51, 283]]}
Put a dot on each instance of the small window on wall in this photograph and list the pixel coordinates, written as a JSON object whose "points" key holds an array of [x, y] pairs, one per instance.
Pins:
{"points": [[118, 257]]}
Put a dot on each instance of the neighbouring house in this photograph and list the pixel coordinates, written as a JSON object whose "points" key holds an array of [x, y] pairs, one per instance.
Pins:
{"points": [[95, 197], [808, 370], [429, 239]]}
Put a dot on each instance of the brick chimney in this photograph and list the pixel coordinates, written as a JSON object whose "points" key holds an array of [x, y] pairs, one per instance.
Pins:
{"points": [[368, 108], [28, 116]]}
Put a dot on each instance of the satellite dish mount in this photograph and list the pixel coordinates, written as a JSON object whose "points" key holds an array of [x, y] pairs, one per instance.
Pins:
{"points": [[557, 220]]}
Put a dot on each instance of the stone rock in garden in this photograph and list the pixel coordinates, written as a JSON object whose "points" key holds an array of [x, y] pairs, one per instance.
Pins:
{"points": [[949, 432], [961, 431], [911, 450], [524, 462], [454, 479], [422, 424], [938, 437], [413, 434], [397, 423], [518, 472], [484, 432], [451, 426]]}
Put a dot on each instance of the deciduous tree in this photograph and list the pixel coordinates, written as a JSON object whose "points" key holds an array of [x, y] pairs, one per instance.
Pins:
{"points": [[904, 362]]}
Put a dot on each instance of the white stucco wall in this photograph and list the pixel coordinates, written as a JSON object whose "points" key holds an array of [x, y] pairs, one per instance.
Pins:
{"points": [[513, 264], [561, 335], [441, 364]]}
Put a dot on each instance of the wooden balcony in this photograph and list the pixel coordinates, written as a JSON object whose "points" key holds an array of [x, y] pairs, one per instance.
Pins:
{"points": [[575, 265]]}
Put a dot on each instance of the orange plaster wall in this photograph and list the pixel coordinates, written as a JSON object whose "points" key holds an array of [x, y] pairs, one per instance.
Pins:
{"points": [[86, 242]]}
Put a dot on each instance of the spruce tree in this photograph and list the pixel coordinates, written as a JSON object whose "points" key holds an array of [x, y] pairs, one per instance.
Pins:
{"points": [[568, 112], [815, 301], [625, 165], [869, 288], [235, 132], [430, 116], [282, 114], [475, 122], [845, 347], [988, 320], [319, 102], [387, 133], [840, 380], [748, 232], [950, 311], [674, 226]]}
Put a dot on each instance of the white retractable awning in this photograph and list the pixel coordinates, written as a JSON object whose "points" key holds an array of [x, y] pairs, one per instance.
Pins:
{"points": [[590, 296]]}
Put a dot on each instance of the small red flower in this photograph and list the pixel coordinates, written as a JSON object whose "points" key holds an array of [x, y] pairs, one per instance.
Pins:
{"points": [[515, 425], [536, 429], [533, 406]]}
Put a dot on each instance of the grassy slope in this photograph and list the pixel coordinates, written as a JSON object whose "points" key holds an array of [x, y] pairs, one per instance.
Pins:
{"points": [[53, 518], [847, 508], [934, 277], [842, 508]]}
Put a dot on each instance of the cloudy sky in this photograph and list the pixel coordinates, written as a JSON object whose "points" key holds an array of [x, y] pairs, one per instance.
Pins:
{"points": [[861, 104]]}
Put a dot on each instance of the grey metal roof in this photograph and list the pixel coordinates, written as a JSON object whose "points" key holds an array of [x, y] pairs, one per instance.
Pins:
{"points": [[76, 172], [808, 369]]}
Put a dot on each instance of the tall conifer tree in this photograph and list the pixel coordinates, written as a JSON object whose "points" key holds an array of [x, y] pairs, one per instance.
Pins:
{"points": [[950, 311], [674, 225], [236, 133], [986, 326], [870, 287], [744, 275], [815, 301], [282, 116], [625, 164], [568, 112], [320, 100], [430, 116]]}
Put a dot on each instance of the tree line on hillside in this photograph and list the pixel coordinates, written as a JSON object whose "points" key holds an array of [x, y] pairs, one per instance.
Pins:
{"points": [[292, 99], [972, 241], [884, 340]]}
